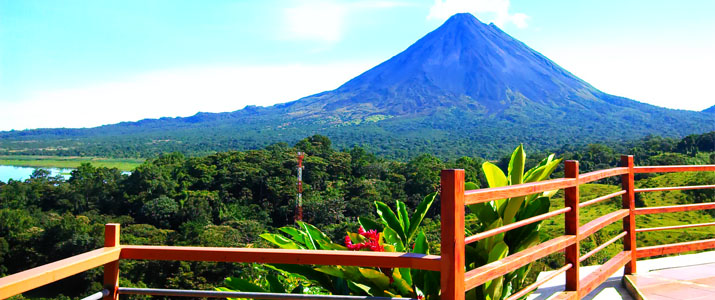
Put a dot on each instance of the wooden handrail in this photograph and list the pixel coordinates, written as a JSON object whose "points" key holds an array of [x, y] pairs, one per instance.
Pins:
{"points": [[284, 256], [674, 208], [675, 248], [675, 188], [675, 227], [517, 190], [596, 278], [672, 169], [601, 174], [36, 277]]}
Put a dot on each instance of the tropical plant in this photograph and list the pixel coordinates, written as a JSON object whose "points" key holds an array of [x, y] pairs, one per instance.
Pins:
{"points": [[502, 212], [396, 232]]}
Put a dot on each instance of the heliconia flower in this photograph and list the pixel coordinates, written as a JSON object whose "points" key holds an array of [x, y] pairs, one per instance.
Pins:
{"points": [[372, 241]]}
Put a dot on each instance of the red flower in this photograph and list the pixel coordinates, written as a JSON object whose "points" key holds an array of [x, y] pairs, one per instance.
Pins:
{"points": [[372, 241]]}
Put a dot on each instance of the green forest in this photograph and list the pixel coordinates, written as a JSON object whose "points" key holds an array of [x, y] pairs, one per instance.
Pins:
{"points": [[228, 199]]}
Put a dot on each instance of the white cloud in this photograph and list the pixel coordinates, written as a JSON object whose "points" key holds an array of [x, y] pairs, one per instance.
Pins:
{"points": [[323, 20], [180, 92], [496, 11], [673, 76]]}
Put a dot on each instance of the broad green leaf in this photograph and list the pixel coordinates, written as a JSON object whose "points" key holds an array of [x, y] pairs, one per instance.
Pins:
{"points": [[516, 166], [391, 237], [295, 234], [315, 233], [499, 251], [330, 270], [274, 285], [309, 241], [330, 246], [376, 277], [402, 214], [369, 224], [542, 172], [485, 212], [242, 285], [495, 176], [512, 207], [398, 281], [419, 215], [304, 272], [421, 245], [492, 289], [359, 289], [542, 163], [281, 241], [468, 186], [406, 274], [390, 220]]}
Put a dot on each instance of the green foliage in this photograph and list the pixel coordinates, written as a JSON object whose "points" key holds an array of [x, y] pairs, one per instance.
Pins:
{"points": [[501, 212]]}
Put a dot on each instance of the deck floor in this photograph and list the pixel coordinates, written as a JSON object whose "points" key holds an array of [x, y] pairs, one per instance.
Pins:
{"points": [[688, 282], [688, 275]]}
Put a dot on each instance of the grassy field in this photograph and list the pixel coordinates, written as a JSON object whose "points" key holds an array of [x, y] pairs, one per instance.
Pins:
{"points": [[124, 164]]}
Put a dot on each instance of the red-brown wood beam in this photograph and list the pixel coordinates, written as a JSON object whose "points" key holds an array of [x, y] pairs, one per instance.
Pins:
{"points": [[452, 219], [675, 248], [111, 270], [571, 198], [600, 174], [629, 222], [597, 277], [490, 194], [674, 208], [36, 277], [284, 256], [670, 169]]}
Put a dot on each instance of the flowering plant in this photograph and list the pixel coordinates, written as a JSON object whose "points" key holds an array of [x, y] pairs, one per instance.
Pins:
{"points": [[394, 233]]}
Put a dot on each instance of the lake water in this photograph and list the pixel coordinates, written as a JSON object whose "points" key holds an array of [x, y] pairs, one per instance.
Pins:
{"points": [[22, 173]]}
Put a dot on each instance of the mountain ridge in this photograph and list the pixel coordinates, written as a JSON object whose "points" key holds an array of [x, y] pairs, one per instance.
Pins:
{"points": [[465, 83]]}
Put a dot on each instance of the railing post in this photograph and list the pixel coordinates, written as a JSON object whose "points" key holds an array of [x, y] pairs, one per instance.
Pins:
{"points": [[571, 197], [629, 222], [111, 270], [452, 219]]}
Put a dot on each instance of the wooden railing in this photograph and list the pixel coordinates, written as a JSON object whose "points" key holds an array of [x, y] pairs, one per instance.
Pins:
{"points": [[455, 280]]}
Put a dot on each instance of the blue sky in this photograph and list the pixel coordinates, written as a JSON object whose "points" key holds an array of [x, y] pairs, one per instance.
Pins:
{"points": [[87, 63]]}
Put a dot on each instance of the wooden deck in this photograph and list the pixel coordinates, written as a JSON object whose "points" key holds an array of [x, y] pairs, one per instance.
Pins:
{"points": [[695, 281]]}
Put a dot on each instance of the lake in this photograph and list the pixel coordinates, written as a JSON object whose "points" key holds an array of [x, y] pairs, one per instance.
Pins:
{"points": [[22, 173]]}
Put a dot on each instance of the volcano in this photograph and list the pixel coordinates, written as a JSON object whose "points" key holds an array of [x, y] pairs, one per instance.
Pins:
{"points": [[466, 88]]}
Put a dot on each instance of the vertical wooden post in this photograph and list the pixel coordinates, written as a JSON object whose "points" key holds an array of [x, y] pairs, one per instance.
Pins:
{"points": [[452, 218], [571, 197], [111, 270], [629, 222]]}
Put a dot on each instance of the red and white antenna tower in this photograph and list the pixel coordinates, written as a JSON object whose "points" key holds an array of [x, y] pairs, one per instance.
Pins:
{"points": [[299, 199]]}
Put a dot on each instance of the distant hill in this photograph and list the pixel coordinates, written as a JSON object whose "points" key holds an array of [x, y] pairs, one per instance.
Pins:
{"points": [[710, 109], [466, 88]]}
